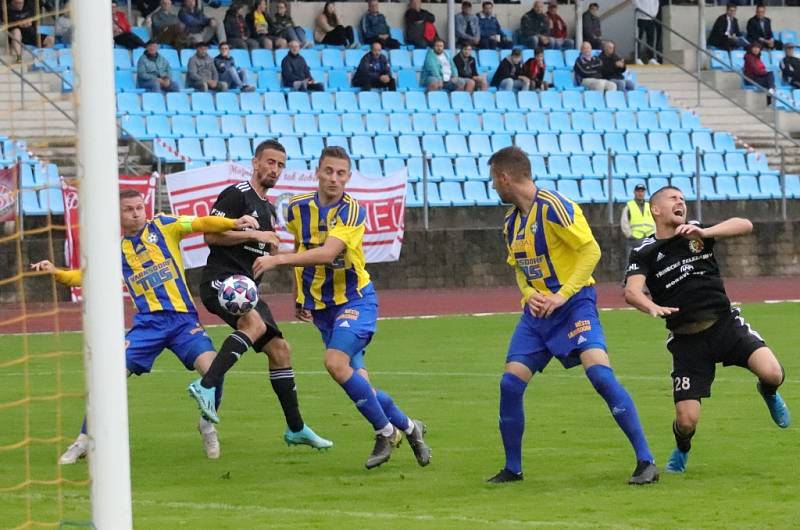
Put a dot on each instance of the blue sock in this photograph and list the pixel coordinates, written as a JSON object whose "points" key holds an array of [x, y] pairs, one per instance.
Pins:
{"points": [[396, 416], [83, 426], [622, 408], [512, 419], [218, 394], [360, 391]]}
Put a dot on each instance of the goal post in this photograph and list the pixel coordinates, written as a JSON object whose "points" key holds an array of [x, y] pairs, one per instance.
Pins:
{"points": [[103, 316]]}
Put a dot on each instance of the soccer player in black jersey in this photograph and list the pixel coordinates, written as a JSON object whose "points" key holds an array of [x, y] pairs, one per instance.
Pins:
{"points": [[234, 253], [679, 269]]}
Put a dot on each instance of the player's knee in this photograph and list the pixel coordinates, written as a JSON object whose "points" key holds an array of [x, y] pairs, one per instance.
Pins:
{"points": [[254, 328], [512, 385], [774, 375], [686, 419], [338, 367], [280, 352]]}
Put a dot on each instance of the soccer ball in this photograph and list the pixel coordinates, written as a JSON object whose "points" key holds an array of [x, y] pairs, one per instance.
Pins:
{"points": [[238, 294]]}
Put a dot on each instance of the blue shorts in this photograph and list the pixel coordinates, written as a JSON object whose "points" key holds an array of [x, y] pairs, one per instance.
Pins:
{"points": [[349, 327], [153, 332], [572, 329]]}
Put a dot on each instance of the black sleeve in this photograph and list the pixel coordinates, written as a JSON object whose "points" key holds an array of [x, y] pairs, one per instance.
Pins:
{"points": [[230, 204], [637, 264]]}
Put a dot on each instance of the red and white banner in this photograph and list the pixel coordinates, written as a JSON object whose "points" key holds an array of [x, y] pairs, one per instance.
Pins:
{"points": [[146, 184], [194, 192], [8, 193]]}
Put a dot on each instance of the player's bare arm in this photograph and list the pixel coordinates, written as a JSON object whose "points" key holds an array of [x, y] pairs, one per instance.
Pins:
{"points": [[233, 238], [735, 226], [43, 266], [70, 278], [636, 297], [316, 256]]}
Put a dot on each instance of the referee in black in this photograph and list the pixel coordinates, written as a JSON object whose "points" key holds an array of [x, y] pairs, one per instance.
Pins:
{"points": [[679, 269]]}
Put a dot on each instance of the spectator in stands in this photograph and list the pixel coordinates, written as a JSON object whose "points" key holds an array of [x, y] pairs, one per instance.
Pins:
{"points": [[646, 13], [147, 7], [558, 28], [613, 67], [22, 27], [755, 70], [201, 72], [152, 72], [202, 29], [375, 29], [167, 28], [260, 27], [468, 30], [588, 71], [725, 33], [420, 29], [227, 70], [759, 29], [374, 71], [295, 73], [121, 29], [237, 30], [534, 69], [509, 73], [467, 68], [592, 32], [283, 27], [491, 32], [439, 72], [328, 30], [790, 67], [63, 29], [535, 27]]}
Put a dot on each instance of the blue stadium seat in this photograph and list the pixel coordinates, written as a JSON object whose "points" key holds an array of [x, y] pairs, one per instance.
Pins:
{"points": [[312, 57], [476, 192], [336, 141], [702, 139], [528, 100], [582, 166], [313, 145], [659, 100], [770, 184], [724, 142], [416, 102], [582, 121], [559, 122], [604, 121], [626, 121], [726, 188], [408, 145], [400, 59], [173, 59], [353, 124], [737, 58], [669, 120], [789, 35], [122, 59], [275, 103], [281, 125], [418, 57], [793, 186], [461, 102], [256, 125], [183, 126], [239, 148], [232, 126], [708, 190], [559, 167], [330, 124], [749, 185], [615, 142], [323, 102], [158, 127], [441, 169], [548, 143], [469, 123], [515, 122], [554, 59], [493, 123], [132, 127], [128, 103], [735, 161], [648, 121], [339, 80], [720, 60], [570, 143], [593, 143], [572, 100], [538, 168], [370, 167], [208, 126], [570, 189], [466, 168], [526, 142], [681, 142], [401, 123], [386, 147], [377, 124], [457, 145], [446, 123], [397, 34], [549, 185], [715, 164], [263, 59], [352, 58], [570, 56], [506, 100], [433, 195], [242, 58], [424, 123], [439, 101], [484, 101], [369, 102], [538, 121], [625, 166], [648, 166], [659, 142], [551, 100], [500, 141], [298, 102], [332, 58], [593, 191], [564, 80], [637, 100], [407, 80], [616, 100], [191, 148], [27, 177], [392, 102], [757, 163], [451, 191], [411, 196], [215, 149], [488, 60], [30, 203], [618, 191], [689, 164], [346, 103], [306, 125], [671, 166], [123, 80], [269, 81], [594, 100], [203, 103], [690, 121], [433, 145], [161, 150], [153, 103], [686, 186]]}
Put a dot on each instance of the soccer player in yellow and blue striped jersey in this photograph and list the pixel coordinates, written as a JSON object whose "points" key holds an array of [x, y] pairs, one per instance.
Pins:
{"points": [[334, 289], [166, 317], [553, 253]]}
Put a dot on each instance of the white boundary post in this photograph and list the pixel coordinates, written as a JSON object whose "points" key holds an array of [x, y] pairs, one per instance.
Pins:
{"points": [[103, 317]]}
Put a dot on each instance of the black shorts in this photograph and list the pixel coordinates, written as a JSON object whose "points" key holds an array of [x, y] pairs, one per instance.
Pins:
{"points": [[729, 341], [209, 296]]}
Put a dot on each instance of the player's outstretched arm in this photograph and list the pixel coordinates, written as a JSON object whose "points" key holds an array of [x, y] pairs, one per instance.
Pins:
{"points": [[70, 278], [316, 256], [214, 224], [735, 226], [634, 296]]}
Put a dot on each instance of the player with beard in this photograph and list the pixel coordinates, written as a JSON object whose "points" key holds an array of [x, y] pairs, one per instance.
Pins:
{"points": [[679, 269], [234, 253]]}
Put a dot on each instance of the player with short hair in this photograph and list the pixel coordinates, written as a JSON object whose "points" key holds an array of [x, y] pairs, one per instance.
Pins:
{"points": [[554, 253], [679, 269], [234, 253], [166, 317], [335, 291]]}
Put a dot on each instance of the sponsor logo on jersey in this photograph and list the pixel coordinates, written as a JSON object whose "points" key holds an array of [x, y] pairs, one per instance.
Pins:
{"points": [[687, 268], [660, 256], [581, 339], [696, 246], [344, 324], [152, 237], [348, 314], [633, 267], [581, 326], [534, 227]]}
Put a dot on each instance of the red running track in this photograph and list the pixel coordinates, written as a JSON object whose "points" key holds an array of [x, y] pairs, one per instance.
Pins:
{"points": [[398, 303]]}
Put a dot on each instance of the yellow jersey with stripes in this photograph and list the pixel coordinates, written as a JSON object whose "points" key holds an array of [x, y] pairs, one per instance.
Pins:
{"points": [[152, 266], [341, 281], [543, 245]]}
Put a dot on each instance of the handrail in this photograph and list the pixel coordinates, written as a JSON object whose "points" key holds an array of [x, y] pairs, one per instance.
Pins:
{"points": [[758, 87]]}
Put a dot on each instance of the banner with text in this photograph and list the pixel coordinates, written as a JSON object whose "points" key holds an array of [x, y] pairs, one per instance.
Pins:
{"points": [[146, 184], [194, 192]]}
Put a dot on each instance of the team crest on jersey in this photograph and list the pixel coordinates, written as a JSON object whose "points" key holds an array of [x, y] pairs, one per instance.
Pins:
{"points": [[152, 237], [696, 246], [534, 227]]}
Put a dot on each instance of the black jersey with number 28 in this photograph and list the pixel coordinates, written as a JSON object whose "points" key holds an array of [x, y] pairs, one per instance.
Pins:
{"points": [[235, 201], [681, 273]]}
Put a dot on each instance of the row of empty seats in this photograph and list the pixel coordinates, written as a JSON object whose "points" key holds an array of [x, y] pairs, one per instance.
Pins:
{"points": [[390, 102]]}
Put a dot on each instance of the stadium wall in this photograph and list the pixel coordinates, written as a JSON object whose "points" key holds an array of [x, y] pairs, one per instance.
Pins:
{"points": [[464, 248]]}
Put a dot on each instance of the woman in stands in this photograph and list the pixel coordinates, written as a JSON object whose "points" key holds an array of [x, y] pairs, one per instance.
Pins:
{"points": [[755, 70], [281, 25], [259, 27], [329, 31], [237, 29]]}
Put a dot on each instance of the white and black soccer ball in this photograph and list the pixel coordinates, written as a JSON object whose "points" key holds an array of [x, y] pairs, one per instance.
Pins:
{"points": [[238, 294]]}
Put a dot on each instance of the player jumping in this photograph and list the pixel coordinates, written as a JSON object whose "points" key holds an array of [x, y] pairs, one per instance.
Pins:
{"points": [[554, 253], [334, 289], [234, 253], [681, 273], [152, 268]]}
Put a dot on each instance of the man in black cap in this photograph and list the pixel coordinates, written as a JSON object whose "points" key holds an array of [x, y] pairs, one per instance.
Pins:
{"points": [[636, 220], [790, 67]]}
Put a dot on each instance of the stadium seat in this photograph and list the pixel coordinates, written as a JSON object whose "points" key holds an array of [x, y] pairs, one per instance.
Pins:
{"points": [[269, 81], [659, 142], [332, 58], [215, 149], [262, 59], [476, 192], [690, 121], [493, 123], [736, 162], [153, 103], [208, 126], [488, 60], [128, 103], [715, 165], [338, 80], [386, 147], [659, 100], [529, 100], [669, 120], [564, 80], [551, 100], [433, 145], [710, 192], [570, 189], [500, 141], [702, 139], [434, 199], [191, 148], [625, 166], [757, 163], [413, 165], [446, 123], [457, 145], [726, 188], [582, 121], [618, 190], [616, 100], [330, 124], [306, 125], [469, 123], [256, 125], [158, 127], [466, 169], [131, 127], [418, 57], [616, 143], [670, 166], [282, 125], [369, 101], [592, 191], [572, 100], [570, 143], [749, 185], [626, 121], [484, 101], [637, 100], [724, 142], [506, 100], [515, 122], [771, 185], [407, 80], [559, 122], [203, 103], [424, 123], [312, 146], [392, 102], [604, 121], [549, 185], [322, 102], [353, 124], [593, 100], [441, 169], [681, 142], [686, 186], [352, 58], [232, 126], [346, 103], [298, 102], [401, 123], [411, 196], [239, 148], [400, 59], [538, 121], [30, 203], [548, 143], [312, 57], [592, 143], [377, 124], [334, 141], [570, 56], [559, 168], [648, 121], [526, 142], [370, 167], [416, 102], [461, 102], [275, 103], [649, 167], [122, 59], [439, 101]]}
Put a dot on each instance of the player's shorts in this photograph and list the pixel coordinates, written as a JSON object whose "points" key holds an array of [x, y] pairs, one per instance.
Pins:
{"points": [[153, 332], [572, 329], [349, 327], [729, 341], [209, 295]]}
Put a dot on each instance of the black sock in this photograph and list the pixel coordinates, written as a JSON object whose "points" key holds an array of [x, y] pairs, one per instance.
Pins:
{"points": [[684, 441], [768, 389], [282, 381], [234, 347]]}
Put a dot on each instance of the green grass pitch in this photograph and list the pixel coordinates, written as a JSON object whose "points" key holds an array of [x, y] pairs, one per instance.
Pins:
{"points": [[742, 471]]}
